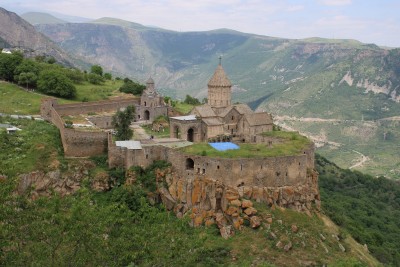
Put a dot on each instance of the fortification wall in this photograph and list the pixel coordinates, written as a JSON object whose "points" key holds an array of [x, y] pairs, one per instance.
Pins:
{"points": [[209, 183], [94, 107], [116, 155], [75, 143], [264, 172], [103, 122], [272, 171], [84, 144]]}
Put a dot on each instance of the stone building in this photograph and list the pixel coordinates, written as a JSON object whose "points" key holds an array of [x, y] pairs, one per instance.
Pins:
{"points": [[151, 104], [219, 119]]}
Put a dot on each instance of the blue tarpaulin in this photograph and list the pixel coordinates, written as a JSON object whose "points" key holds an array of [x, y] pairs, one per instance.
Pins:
{"points": [[224, 146]]}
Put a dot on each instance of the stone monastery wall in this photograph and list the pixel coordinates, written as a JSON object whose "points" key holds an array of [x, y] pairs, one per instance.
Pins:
{"points": [[75, 143], [269, 171], [94, 107], [288, 181]]}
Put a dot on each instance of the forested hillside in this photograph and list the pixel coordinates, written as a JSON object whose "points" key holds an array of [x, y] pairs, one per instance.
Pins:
{"points": [[368, 208]]}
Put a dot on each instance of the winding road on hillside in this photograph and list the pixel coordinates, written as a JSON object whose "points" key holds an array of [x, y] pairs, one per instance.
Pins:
{"points": [[321, 141]]}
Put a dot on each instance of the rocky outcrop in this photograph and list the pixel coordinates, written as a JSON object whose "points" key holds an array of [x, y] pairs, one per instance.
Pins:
{"points": [[39, 183], [209, 202]]}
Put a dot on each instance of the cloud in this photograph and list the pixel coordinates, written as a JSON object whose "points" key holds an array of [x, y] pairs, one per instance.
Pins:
{"points": [[336, 2]]}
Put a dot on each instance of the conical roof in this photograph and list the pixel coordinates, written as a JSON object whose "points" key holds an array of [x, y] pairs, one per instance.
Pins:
{"points": [[150, 80], [219, 79]]}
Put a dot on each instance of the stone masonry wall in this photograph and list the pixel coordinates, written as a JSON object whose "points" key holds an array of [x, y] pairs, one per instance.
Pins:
{"points": [[94, 107], [84, 144], [75, 143]]}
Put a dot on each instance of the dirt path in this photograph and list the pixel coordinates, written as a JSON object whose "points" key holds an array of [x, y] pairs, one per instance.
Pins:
{"points": [[138, 132], [361, 161]]}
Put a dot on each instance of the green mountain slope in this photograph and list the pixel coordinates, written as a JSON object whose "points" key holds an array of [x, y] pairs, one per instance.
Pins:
{"points": [[41, 18], [367, 207]]}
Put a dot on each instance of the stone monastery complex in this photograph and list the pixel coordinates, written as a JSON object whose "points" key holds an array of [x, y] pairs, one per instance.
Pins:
{"points": [[198, 182]]}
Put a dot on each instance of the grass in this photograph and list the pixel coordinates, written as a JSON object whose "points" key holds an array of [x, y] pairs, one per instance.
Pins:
{"points": [[91, 92], [292, 144], [183, 108], [37, 147], [162, 134], [15, 100], [256, 247]]}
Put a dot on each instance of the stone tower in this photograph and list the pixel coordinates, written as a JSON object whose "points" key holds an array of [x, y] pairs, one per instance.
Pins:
{"points": [[150, 86], [219, 89]]}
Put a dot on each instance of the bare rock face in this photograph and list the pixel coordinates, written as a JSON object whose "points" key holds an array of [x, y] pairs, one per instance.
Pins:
{"points": [[39, 183], [17, 32], [212, 202]]}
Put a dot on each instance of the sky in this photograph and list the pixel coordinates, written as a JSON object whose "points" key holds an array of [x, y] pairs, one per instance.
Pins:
{"points": [[369, 21]]}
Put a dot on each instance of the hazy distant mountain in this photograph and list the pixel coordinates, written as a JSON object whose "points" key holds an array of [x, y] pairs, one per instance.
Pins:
{"points": [[16, 32], [41, 18], [304, 75]]}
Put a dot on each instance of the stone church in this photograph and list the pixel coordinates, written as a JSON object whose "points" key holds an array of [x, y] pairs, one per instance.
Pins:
{"points": [[151, 104], [219, 119]]}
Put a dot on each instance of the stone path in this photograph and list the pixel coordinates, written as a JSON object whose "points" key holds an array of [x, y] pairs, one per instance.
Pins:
{"points": [[138, 132]]}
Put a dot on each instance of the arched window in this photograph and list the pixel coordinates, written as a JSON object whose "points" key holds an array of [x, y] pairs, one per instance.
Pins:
{"points": [[189, 164]]}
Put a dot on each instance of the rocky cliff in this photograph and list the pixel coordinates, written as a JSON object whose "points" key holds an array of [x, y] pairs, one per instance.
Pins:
{"points": [[209, 201], [66, 182]]}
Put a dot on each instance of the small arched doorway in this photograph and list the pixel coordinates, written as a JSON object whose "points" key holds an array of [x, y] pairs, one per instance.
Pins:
{"points": [[146, 115], [190, 135], [189, 164], [177, 132]]}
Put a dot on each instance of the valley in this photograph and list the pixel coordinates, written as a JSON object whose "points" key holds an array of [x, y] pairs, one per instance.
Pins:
{"points": [[367, 146]]}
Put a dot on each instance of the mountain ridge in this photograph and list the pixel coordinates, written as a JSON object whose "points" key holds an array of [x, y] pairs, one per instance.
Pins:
{"points": [[18, 33]]}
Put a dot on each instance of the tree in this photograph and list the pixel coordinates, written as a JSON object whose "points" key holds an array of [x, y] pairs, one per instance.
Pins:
{"points": [[191, 100], [96, 69], [94, 78], [8, 64], [55, 83], [27, 79], [121, 122], [107, 76], [131, 87]]}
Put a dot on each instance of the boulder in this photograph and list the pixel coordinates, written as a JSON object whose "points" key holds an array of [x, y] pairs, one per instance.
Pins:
{"points": [[209, 222], [288, 246], [231, 210], [272, 236], [220, 220], [246, 203], [250, 211], [247, 191], [226, 231], [255, 222], [294, 228], [236, 203], [231, 194]]}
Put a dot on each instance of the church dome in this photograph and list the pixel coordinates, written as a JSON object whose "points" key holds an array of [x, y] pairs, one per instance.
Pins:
{"points": [[219, 79]]}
